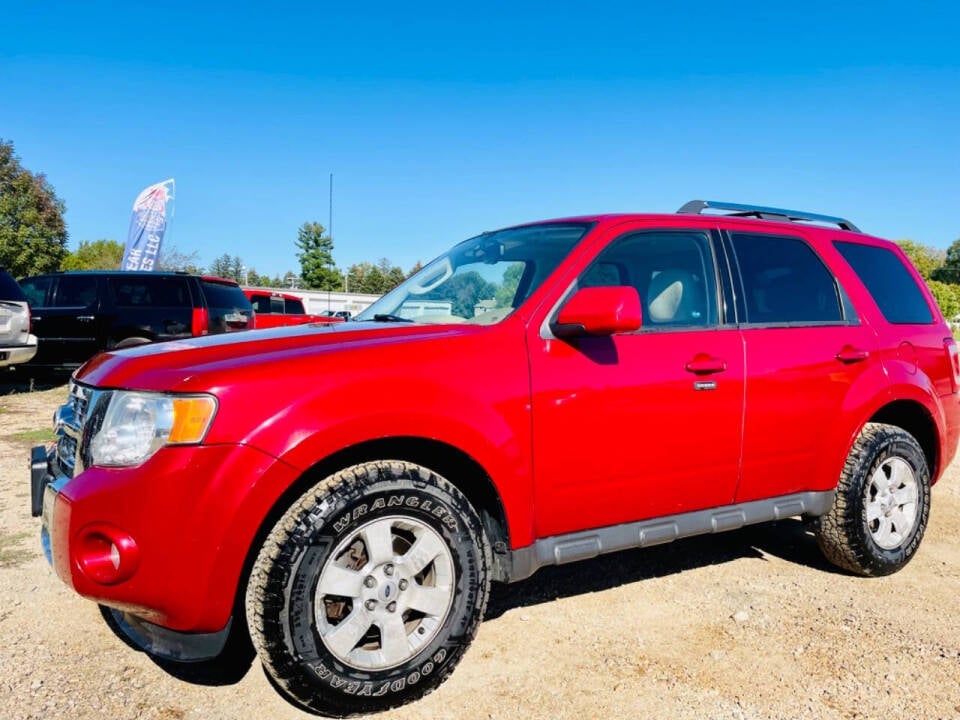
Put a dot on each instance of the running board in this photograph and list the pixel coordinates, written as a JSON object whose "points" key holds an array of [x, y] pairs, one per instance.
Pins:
{"points": [[587, 544]]}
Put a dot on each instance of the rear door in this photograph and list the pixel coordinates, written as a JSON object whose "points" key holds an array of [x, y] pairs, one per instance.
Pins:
{"points": [[806, 348], [150, 306]]}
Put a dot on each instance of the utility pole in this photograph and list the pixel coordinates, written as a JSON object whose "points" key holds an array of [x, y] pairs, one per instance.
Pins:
{"points": [[330, 233]]}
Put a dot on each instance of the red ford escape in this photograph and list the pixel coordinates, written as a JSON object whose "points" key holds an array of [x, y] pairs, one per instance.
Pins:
{"points": [[537, 395]]}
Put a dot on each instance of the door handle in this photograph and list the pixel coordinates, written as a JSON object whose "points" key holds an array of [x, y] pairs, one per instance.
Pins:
{"points": [[85, 318], [703, 364], [849, 354]]}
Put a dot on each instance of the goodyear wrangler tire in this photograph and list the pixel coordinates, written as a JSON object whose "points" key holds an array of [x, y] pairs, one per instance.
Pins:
{"points": [[369, 589], [882, 503]]}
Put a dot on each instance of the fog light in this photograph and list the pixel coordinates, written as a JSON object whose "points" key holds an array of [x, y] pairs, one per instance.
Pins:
{"points": [[106, 555]]}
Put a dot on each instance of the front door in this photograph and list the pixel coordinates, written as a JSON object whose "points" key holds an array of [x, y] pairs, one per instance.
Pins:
{"points": [[642, 424]]}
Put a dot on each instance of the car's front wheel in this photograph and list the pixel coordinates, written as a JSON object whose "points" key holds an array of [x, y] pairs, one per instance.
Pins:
{"points": [[369, 589]]}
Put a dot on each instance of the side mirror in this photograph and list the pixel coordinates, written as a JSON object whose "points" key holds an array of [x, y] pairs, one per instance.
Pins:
{"points": [[599, 311]]}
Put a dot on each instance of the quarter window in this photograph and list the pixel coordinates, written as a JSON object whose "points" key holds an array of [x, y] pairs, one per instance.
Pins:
{"points": [[889, 282], [673, 273], [784, 281]]}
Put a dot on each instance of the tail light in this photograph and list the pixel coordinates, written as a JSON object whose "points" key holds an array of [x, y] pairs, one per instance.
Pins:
{"points": [[200, 324], [951, 347]]}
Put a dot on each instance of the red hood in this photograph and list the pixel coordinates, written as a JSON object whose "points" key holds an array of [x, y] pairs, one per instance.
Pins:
{"points": [[206, 363]]}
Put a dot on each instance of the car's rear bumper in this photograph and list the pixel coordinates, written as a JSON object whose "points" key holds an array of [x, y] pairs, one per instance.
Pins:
{"points": [[16, 354]]}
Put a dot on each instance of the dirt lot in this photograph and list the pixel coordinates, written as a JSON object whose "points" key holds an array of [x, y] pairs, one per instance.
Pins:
{"points": [[751, 624]]}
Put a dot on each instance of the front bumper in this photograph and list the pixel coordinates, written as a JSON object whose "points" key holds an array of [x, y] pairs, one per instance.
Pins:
{"points": [[163, 544]]}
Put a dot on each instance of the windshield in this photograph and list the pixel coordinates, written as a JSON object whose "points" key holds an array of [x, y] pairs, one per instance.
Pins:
{"points": [[481, 280]]}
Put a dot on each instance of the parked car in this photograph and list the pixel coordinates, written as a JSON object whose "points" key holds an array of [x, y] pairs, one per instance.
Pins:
{"points": [[339, 314], [273, 309], [17, 345], [78, 314], [348, 492]]}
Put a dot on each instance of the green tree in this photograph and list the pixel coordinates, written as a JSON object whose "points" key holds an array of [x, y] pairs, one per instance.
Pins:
{"points": [[366, 277], [254, 279], [947, 297], [949, 272], [464, 292], [227, 266], [315, 253], [96, 255], [238, 270], [33, 235], [927, 260], [508, 289]]}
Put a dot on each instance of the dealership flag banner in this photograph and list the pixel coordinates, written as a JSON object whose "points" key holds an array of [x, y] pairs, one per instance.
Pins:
{"points": [[147, 225]]}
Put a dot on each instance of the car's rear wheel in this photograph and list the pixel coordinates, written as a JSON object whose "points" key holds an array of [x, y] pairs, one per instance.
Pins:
{"points": [[882, 503], [369, 589]]}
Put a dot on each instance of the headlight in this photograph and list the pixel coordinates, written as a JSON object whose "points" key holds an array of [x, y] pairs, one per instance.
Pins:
{"points": [[137, 424]]}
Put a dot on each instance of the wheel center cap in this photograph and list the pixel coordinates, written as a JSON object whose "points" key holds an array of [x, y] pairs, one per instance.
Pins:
{"points": [[389, 591]]}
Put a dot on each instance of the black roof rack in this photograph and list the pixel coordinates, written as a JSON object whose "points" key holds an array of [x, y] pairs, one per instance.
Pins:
{"points": [[696, 207]]}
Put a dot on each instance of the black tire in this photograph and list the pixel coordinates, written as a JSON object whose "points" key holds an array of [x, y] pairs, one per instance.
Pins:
{"points": [[334, 525], [859, 532]]}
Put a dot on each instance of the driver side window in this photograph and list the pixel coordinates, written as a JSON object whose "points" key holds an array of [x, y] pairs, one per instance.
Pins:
{"points": [[673, 272]]}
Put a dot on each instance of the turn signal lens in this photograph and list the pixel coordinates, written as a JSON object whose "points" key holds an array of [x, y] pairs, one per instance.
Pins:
{"points": [[191, 418]]}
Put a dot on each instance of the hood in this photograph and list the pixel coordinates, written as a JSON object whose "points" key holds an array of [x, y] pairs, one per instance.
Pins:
{"points": [[205, 363]]}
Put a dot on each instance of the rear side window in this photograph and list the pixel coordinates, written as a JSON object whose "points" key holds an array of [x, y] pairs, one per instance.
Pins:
{"points": [[150, 291], [784, 281], [890, 283], [293, 307]]}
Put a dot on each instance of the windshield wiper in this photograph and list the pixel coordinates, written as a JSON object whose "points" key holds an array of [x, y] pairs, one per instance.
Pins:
{"points": [[387, 317]]}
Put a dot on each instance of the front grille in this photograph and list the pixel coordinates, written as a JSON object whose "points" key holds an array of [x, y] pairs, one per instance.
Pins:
{"points": [[67, 454], [73, 424], [79, 401]]}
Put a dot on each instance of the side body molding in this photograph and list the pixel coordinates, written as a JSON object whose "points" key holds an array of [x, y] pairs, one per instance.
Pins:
{"points": [[561, 549]]}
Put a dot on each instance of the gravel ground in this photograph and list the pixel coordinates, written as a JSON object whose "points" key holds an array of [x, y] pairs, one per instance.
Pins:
{"points": [[750, 624]]}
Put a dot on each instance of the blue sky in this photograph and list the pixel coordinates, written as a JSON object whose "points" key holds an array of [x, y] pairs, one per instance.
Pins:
{"points": [[439, 121]]}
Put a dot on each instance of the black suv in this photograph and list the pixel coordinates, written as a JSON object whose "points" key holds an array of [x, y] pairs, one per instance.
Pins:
{"points": [[78, 314]]}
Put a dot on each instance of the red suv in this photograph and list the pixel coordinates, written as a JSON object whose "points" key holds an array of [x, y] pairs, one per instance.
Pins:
{"points": [[537, 395]]}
